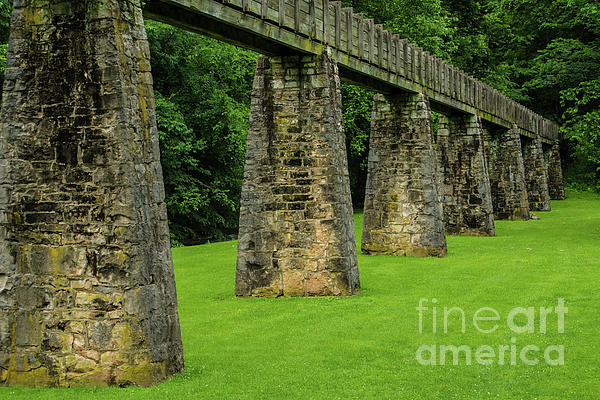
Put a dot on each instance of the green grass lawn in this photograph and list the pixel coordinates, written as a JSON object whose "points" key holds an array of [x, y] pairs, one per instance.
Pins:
{"points": [[365, 347]]}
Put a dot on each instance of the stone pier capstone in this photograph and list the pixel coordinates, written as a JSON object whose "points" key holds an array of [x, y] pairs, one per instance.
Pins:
{"points": [[536, 174], [507, 174], [555, 176], [87, 292], [296, 233], [403, 214], [464, 179]]}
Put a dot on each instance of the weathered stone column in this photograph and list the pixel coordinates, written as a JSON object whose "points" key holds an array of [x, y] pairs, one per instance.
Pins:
{"points": [[491, 138], [87, 293], [507, 174], [465, 185], [296, 228], [556, 187], [403, 214], [536, 174]]}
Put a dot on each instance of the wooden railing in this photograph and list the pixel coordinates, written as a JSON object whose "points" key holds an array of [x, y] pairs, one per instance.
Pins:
{"points": [[358, 40]]}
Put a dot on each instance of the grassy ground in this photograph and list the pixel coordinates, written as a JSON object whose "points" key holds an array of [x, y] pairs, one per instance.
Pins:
{"points": [[365, 347]]}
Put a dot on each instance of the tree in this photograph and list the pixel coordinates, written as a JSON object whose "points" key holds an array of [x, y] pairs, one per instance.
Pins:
{"points": [[203, 89], [548, 57], [582, 129], [5, 14], [424, 22]]}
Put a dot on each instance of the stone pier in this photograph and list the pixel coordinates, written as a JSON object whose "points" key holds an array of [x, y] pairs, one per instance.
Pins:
{"points": [[403, 214], [464, 178], [507, 174], [296, 229], [536, 174], [556, 186], [87, 292]]}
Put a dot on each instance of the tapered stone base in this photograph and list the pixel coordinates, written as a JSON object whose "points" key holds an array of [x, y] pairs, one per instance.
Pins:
{"points": [[465, 184], [536, 175], [87, 293], [403, 214], [507, 174], [556, 187], [296, 233]]}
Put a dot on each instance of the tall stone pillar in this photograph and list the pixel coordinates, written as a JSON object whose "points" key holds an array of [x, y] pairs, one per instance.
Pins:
{"points": [[87, 292], [465, 185], [556, 187], [490, 143], [296, 233], [403, 214], [536, 174], [507, 175]]}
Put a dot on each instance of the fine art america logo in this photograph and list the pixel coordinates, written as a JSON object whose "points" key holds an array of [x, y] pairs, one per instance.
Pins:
{"points": [[487, 320]]}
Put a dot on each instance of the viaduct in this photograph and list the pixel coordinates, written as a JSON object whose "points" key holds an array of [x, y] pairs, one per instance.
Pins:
{"points": [[87, 292]]}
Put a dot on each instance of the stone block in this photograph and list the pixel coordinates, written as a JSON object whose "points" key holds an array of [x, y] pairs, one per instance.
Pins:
{"points": [[27, 329], [57, 340], [59, 260], [6, 324]]}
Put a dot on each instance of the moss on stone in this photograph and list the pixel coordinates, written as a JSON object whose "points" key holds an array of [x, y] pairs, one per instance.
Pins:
{"points": [[141, 373]]}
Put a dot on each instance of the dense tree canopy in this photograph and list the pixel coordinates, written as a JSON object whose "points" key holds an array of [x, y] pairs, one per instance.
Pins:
{"points": [[202, 90], [543, 53]]}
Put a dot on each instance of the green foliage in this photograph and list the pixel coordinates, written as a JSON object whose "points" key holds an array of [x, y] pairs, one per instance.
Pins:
{"points": [[467, 42], [5, 14], [357, 104], [203, 91], [424, 22], [542, 48], [544, 54], [558, 45], [3, 51], [582, 129]]}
